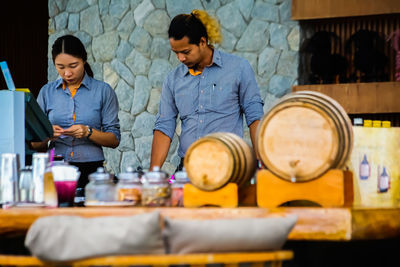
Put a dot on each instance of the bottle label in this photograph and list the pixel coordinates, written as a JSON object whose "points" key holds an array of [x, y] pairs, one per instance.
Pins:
{"points": [[364, 171]]}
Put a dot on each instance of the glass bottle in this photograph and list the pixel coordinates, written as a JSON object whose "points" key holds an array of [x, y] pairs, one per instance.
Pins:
{"points": [[177, 188], [100, 188], [156, 190], [364, 168], [26, 185], [49, 188], [129, 187], [383, 181]]}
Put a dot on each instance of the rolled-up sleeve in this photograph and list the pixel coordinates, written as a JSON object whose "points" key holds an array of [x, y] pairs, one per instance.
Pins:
{"points": [[109, 113], [167, 112], [250, 99]]}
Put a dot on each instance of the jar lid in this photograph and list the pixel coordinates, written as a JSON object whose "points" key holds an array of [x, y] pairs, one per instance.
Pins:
{"points": [[156, 175], [100, 174], [181, 176], [130, 175]]}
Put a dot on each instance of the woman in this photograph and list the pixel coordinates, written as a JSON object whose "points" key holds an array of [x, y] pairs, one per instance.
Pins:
{"points": [[82, 110]]}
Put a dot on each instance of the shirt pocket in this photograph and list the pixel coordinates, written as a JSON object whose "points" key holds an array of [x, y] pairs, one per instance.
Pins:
{"points": [[223, 96], [184, 103]]}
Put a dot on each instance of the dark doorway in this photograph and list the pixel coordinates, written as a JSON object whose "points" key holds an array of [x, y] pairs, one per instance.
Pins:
{"points": [[23, 42]]}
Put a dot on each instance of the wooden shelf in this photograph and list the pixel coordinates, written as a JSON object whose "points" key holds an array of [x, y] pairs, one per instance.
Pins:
{"points": [[322, 9], [338, 224], [359, 98]]}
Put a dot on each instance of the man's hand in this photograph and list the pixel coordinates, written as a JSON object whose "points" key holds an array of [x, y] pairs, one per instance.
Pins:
{"points": [[77, 131]]}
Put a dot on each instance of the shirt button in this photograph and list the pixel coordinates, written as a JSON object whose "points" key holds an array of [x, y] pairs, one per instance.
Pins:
{"points": [[201, 106], [201, 121], [201, 91]]}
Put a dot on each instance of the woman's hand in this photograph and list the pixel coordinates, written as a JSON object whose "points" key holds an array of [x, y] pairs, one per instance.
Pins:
{"points": [[77, 131], [57, 132]]}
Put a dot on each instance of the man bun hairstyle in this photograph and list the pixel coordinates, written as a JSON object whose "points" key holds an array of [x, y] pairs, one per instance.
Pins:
{"points": [[195, 25], [71, 45]]}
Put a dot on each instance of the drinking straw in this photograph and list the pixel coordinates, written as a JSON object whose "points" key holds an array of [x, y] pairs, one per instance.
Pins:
{"points": [[52, 155], [7, 76]]}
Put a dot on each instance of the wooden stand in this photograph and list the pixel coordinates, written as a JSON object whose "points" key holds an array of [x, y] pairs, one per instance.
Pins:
{"points": [[333, 189], [226, 197]]}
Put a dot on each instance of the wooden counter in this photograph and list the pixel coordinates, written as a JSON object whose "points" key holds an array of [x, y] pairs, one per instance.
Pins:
{"points": [[330, 224]]}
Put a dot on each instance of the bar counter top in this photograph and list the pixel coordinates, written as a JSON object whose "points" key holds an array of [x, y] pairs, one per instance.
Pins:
{"points": [[314, 223]]}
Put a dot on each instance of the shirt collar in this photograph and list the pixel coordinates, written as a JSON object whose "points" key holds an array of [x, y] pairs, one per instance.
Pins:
{"points": [[86, 82], [215, 61]]}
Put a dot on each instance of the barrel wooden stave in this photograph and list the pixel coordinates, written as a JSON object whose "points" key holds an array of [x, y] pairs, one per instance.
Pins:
{"points": [[337, 120], [242, 163]]}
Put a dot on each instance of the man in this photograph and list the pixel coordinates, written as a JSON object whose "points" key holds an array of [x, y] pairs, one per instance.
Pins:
{"points": [[211, 90]]}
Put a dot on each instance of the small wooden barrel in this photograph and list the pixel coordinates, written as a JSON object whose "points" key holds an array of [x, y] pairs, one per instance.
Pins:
{"points": [[217, 159], [304, 135]]}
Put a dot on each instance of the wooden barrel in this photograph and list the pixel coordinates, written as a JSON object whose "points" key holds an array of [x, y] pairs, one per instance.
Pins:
{"points": [[304, 135], [217, 159]]}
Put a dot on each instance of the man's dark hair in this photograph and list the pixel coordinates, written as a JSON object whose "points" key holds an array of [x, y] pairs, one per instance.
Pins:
{"points": [[187, 25]]}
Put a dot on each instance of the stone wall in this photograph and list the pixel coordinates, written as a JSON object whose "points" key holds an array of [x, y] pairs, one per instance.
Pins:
{"points": [[128, 48]]}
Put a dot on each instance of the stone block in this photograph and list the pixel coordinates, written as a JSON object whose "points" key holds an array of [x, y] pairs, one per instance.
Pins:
{"points": [[255, 36], [123, 71], [158, 71], [105, 46], [118, 8], [126, 26], [125, 120], [265, 11], [142, 11], [231, 19], [143, 125], [126, 143], [176, 7], [267, 62], [73, 22], [137, 63], [125, 95], [141, 40], [160, 48], [61, 21], [157, 23], [141, 95], [90, 21], [278, 36], [154, 101]]}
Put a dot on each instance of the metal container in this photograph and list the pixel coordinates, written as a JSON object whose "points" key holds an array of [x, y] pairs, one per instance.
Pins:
{"points": [[9, 166], [39, 162]]}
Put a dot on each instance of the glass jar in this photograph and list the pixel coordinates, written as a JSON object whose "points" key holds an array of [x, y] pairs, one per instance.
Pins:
{"points": [[100, 188], [156, 190], [177, 188], [129, 187], [26, 185]]}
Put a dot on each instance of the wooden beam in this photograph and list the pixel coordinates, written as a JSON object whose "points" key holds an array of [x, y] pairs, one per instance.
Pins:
{"points": [[313, 223], [321, 9], [358, 98]]}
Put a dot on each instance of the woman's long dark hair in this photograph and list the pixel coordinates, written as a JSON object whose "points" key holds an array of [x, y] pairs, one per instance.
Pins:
{"points": [[71, 45]]}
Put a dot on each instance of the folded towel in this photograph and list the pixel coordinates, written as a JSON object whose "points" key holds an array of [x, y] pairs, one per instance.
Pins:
{"points": [[227, 235], [64, 238]]}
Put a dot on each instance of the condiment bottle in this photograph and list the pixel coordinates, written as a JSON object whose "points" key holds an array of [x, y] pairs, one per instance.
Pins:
{"points": [[156, 190], [100, 188], [177, 188], [129, 187]]}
